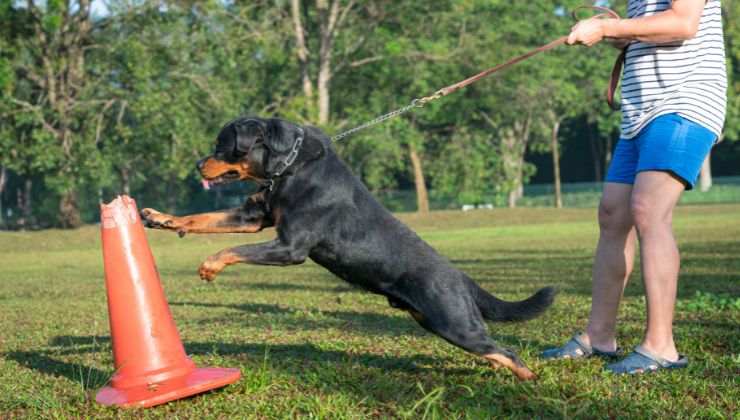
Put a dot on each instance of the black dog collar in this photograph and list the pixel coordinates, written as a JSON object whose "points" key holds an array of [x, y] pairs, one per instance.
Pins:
{"points": [[288, 161]]}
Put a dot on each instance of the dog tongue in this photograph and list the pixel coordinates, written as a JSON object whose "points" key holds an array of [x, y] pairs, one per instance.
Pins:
{"points": [[206, 184]]}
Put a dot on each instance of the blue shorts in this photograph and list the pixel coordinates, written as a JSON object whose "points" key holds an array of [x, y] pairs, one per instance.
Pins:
{"points": [[669, 143]]}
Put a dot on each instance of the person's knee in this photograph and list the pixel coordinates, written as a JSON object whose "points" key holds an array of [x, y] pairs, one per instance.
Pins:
{"points": [[614, 217], [646, 215]]}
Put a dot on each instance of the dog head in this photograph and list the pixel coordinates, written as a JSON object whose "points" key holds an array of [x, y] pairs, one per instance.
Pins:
{"points": [[250, 148]]}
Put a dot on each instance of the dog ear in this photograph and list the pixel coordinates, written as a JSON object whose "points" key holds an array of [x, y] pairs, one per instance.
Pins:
{"points": [[226, 140], [248, 133], [315, 144], [280, 136], [279, 140]]}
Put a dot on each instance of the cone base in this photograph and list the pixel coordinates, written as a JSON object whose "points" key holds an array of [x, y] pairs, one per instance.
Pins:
{"points": [[197, 381]]}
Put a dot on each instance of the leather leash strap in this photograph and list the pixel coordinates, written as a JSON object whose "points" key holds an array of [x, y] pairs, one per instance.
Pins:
{"points": [[470, 80], [613, 81], [420, 102]]}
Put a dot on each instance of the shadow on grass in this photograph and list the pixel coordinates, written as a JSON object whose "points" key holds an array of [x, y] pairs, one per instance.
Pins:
{"points": [[296, 353], [368, 322], [395, 380], [87, 376], [289, 287], [259, 308], [706, 266], [361, 322]]}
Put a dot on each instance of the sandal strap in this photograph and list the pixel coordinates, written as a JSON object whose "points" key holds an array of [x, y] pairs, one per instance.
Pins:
{"points": [[642, 360], [587, 349], [654, 357], [591, 350], [577, 348], [635, 362]]}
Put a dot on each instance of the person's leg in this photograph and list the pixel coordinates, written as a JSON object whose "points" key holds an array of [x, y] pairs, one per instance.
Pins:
{"points": [[613, 261], [613, 264], [654, 197]]}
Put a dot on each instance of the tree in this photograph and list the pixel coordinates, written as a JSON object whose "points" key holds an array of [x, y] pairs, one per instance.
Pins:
{"points": [[182, 73], [55, 91], [515, 107], [397, 38], [321, 34], [731, 13]]}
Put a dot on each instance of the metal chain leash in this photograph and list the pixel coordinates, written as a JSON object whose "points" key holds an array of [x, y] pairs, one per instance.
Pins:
{"points": [[416, 103]]}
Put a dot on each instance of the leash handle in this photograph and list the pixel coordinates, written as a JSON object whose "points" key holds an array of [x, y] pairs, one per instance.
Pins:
{"points": [[605, 12], [611, 88], [614, 80]]}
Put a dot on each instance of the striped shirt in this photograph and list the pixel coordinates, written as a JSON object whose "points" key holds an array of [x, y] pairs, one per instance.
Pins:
{"points": [[684, 77]]}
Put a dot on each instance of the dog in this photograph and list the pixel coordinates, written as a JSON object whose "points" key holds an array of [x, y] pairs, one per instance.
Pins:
{"points": [[321, 211]]}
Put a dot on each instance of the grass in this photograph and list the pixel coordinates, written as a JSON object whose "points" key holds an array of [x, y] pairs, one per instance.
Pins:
{"points": [[310, 345]]}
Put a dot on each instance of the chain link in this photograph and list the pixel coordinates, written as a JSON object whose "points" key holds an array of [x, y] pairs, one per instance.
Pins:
{"points": [[288, 160], [416, 103], [294, 152]]}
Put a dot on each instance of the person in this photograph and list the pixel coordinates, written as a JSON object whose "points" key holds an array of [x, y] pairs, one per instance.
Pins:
{"points": [[673, 108]]}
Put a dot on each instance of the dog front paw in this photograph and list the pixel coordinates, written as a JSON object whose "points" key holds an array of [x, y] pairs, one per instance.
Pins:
{"points": [[156, 220], [209, 269]]}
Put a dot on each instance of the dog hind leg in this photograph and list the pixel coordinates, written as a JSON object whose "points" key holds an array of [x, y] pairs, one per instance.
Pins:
{"points": [[458, 320]]}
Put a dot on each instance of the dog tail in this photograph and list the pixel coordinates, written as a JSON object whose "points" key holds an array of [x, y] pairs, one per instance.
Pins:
{"points": [[495, 309]]}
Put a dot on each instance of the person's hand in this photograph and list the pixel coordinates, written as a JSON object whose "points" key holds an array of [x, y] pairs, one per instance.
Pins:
{"points": [[587, 32]]}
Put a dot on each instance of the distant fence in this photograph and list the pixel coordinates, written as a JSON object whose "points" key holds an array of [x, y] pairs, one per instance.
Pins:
{"points": [[576, 194], [587, 194], [581, 194]]}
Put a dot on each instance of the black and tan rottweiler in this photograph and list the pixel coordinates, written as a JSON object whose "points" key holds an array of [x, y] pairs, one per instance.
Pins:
{"points": [[322, 211]]}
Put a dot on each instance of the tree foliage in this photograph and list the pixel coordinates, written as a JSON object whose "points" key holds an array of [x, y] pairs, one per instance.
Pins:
{"points": [[127, 101]]}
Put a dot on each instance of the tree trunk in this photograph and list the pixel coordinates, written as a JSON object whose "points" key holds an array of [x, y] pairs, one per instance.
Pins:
{"points": [[608, 152], [24, 203], [27, 206], [171, 200], [596, 156], [556, 164], [328, 20], [125, 181], [705, 176], [69, 211], [3, 181], [513, 146], [301, 49], [515, 194], [422, 196], [323, 88]]}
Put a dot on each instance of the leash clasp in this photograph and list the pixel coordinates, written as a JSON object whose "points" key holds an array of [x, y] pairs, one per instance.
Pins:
{"points": [[420, 102]]}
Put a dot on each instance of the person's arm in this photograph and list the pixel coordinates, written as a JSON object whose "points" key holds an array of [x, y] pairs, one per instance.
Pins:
{"points": [[680, 22]]}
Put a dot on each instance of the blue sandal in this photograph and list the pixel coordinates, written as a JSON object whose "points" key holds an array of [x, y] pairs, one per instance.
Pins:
{"points": [[576, 349], [642, 361]]}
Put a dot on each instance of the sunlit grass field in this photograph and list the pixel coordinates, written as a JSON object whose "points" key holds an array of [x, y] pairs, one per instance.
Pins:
{"points": [[310, 345]]}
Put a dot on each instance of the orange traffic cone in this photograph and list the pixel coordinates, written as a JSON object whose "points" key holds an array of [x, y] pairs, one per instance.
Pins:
{"points": [[151, 365]]}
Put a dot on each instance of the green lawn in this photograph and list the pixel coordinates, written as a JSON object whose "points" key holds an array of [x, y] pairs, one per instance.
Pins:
{"points": [[309, 344]]}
